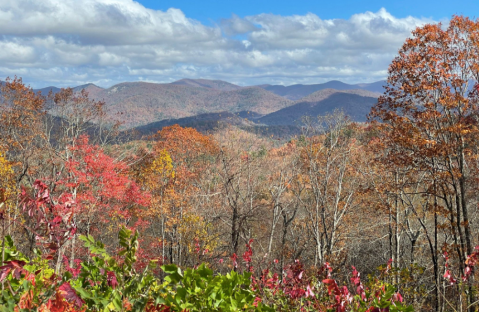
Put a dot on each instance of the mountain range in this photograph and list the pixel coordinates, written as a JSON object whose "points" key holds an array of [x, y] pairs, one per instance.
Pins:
{"points": [[150, 106], [298, 91]]}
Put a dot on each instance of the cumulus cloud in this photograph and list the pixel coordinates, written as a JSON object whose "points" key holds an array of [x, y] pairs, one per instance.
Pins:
{"points": [[237, 26], [105, 22], [69, 42]]}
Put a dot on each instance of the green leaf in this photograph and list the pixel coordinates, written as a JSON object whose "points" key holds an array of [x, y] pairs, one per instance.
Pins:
{"points": [[171, 268], [117, 303]]}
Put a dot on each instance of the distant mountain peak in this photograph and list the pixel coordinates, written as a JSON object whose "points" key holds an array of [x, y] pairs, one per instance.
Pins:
{"points": [[140, 103], [87, 86], [90, 84], [325, 93], [298, 91], [219, 85]]}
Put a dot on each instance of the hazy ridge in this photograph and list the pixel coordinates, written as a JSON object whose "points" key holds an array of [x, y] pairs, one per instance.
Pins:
{"points": [[151, 106]]}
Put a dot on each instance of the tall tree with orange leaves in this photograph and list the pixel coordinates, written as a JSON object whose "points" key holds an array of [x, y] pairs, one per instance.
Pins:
{"points": [[430, 115], [21, 112], [171, 173]]}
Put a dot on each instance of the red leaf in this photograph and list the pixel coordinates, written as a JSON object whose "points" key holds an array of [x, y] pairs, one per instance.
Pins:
{"points": [[332, 286], [15, 266], [111, 279], [69, 294], [4, 271]]}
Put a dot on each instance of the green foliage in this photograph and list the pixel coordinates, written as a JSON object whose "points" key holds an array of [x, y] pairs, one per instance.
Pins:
{"points": [[106, 284], [407, 280], [199, 290], [383, 302], [113, 283], [24, 282]]}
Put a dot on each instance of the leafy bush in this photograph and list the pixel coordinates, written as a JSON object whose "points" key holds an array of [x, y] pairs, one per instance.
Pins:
{"points": [[112, 283], [199, 290], [103, 282]]}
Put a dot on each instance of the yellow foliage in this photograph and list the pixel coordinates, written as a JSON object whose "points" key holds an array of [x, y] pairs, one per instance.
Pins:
{"points": [[194, 227], [7, 181], [163, 164], [161, 169]]}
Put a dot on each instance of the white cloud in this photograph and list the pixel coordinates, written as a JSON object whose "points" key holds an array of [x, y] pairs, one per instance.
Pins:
{"points": [[16, 53], [105, 22], [70, 42], [236, 25], [365, 31]]}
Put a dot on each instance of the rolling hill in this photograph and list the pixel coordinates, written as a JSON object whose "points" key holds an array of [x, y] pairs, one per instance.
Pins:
{"points": [[209, 84], [298, 91], [283, 122], [201, 122], [211, 121], [46, 91], [140, 103], [355, 103], [196, 101], [90, 87]]}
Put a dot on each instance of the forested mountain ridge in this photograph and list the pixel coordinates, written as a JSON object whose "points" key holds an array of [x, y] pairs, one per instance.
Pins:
{"points": [[356, 104], [298, 91], [142, 103], [206, 83]]}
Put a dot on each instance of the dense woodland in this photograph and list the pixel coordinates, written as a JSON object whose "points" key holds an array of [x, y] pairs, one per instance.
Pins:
{"points": [[388, 208]]}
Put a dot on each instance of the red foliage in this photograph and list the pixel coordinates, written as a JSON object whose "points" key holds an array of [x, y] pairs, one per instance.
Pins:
{"points": [[59, 304], [357, 282], [342, 296], [470, 262], [111, 279], [247, 256], [69, 294], [234, 259], [52, 220], [16, 267], [74, 271], [101, 185], [293, 284]]}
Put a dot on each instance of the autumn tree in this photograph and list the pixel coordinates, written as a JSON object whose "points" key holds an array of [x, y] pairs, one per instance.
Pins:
{"points": [[240, 185], [8, 190], [172, 172], [21, 141], [102, 190], [399, 211], [282, 172], [429, 112], [329, 162], [21, 112], [72, 114]]}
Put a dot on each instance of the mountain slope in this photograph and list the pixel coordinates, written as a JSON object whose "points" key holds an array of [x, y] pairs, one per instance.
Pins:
{"points": [[140, 103], [210, 84], [326, 93], [46, 91], [201, 122], [377, 86], [213, 121], [355, 103], [90, 87], [298, 91]]}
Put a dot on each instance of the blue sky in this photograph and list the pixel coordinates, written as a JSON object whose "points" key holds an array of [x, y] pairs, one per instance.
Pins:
{"points": [[210, 11], [72, 42]]}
